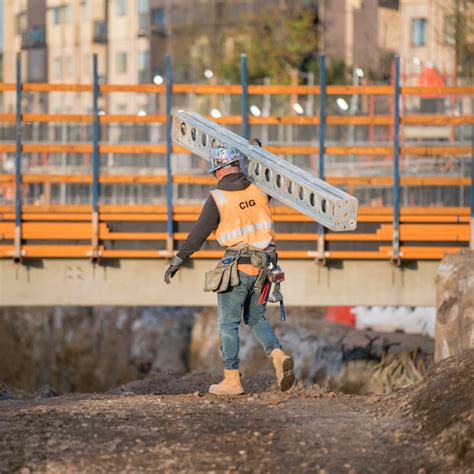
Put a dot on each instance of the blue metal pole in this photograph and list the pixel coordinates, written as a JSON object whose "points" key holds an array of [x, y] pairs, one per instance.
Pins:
{"points": [[471, 244], [95, 160], [245, 96], [396, 162], [169, 177], [322, 138], [18, 199], [245, 106]]}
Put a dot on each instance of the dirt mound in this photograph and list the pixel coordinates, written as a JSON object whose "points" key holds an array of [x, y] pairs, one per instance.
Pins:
{"points": [[171, 383], [442, 406], [10, 393]]}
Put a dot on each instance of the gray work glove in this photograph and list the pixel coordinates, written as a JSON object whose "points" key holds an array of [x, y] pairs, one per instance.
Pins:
{"points": [[172, 268]]}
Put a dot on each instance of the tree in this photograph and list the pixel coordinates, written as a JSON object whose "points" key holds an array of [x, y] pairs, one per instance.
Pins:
{"points": [[276, 40], [458, 31]]}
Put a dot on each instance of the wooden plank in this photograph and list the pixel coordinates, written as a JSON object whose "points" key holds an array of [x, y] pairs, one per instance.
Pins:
{"points": [[435, 150], [437, 120], [43, 87], [206, 180], [283, 150], [196, 208], [141, 88], [207, 89], [152, 118], [268, 120], [200, 179], [50, 251], [7, 147], [360, 90], [237, 89], [404, 181], [437, 90], [84, 118], [10, 118], [355, 255]]}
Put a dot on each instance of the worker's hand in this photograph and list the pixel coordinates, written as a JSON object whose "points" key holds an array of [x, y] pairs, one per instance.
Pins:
{"points": [[172, 268], [256, 142]]}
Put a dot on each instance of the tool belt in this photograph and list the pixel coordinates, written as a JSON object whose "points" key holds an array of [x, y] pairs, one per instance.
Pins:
{"points": [[226, 274]]}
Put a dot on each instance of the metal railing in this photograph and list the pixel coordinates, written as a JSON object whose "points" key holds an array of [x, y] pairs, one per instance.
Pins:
{"points": [[393, 225]]}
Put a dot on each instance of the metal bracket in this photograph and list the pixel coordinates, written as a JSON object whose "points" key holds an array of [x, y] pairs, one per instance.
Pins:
{"points": [[275, 176]]}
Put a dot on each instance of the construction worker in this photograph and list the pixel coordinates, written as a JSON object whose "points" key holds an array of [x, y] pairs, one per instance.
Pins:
{"points": [[240, 215]]}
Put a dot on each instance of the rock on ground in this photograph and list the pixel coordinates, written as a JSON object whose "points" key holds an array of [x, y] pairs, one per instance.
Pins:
{"points": [[454, 304], [91, 349], [168, 424]]}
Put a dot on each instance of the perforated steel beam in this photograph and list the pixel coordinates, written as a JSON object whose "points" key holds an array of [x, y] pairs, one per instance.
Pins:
{"points": [[275, 176]]}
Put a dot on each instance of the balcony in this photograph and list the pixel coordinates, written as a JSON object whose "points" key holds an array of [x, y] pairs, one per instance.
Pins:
{"points": [[100, 32], [158, 30], [33, 38]]}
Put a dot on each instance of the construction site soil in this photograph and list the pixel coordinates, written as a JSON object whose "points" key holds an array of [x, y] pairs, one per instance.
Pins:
{"points": [[169, 423]]}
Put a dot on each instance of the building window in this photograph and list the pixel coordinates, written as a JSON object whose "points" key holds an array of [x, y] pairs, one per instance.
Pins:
{"points": [[120, 7], [121, 62], [58, 68], [67, 13], [143, 59], [36, 65], [20, 23], [68, 64], [157, 16], [449, 29], [87, 65], [418, 31], [142, 6], [56, 15], [85, 10]]}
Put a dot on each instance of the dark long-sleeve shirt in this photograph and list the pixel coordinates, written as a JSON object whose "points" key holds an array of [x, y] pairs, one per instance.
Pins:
{"points": [[209, 217]]}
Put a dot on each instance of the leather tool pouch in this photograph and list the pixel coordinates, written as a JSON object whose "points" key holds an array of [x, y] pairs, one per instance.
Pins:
{"points": [[222, 277]]}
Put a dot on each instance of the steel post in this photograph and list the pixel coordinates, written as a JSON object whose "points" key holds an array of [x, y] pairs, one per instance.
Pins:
{"points": [[17, 253], [245, 105], [245, 96], [95, 161], [322, 135], [396, 164], [169, 144]]}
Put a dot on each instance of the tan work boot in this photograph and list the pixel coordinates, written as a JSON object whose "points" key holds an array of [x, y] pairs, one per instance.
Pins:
{"points": [[284, 369], [229, 386]]}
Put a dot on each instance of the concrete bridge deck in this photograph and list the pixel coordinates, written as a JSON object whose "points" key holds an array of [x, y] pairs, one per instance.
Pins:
{"points": [[135, 282]]}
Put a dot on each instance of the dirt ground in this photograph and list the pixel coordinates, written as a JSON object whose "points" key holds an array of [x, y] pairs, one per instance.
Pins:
{"points": [[169, 424]]}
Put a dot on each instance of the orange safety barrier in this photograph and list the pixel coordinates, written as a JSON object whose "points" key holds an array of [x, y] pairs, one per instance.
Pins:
{"points": [[209, 180], [60, 231], [237, 89], [267, 120], [60, 224]]}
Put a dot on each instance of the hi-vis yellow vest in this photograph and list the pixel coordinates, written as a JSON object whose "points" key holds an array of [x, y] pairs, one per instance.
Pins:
{"points": [[245, 218]]}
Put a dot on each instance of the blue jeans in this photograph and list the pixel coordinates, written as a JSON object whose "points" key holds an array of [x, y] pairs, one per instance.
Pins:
{"points": [[232, 304]]}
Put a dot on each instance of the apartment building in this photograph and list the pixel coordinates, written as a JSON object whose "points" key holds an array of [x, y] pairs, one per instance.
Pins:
{"points": [[361, 33], [427, 35], [24, 31], [128, 53], [75, 31]]}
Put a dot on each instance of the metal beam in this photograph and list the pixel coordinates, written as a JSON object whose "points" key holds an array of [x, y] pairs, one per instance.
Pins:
{"points": [[280, 179]]}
